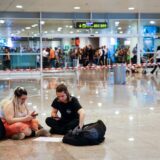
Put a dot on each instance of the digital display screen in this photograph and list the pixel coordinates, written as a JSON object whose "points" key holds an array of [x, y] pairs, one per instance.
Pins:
{"points": [[93, 25]]}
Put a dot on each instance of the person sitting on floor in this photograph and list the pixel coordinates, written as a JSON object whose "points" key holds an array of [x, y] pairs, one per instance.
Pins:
{"points": [[18, 121], [72, 113]]}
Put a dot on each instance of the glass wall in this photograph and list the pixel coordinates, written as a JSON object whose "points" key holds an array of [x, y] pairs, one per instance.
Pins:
{"points": [[150, 33], [19, 44], [64, 45]]}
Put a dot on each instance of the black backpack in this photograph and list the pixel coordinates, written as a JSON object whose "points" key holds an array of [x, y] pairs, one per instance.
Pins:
{"points": [[2, 130], [91, 134]]}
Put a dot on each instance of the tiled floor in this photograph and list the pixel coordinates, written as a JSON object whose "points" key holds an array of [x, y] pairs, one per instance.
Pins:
{"points": [[131, 113]]}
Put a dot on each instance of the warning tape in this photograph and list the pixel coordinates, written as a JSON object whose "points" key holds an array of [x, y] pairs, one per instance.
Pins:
{"points": [[83, 68]]}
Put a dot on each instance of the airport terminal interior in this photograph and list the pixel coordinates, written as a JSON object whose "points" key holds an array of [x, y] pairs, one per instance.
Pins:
{"points": [[106, 52]]}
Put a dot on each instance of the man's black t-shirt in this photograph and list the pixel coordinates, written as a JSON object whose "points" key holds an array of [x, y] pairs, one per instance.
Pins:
{"points": [[68, 110]]}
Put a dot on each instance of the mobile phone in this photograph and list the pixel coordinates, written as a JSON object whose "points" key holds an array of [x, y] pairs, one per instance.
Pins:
{"points": [[35, 114]]}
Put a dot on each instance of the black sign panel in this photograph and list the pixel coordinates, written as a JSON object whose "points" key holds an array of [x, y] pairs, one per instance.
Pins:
{"points": [[93, 25]]}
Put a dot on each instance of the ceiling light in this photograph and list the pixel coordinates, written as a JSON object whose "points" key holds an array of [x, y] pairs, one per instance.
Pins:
{"points": [[2, 21], [34, 25], [70, 26], [19, 6], [71, 32], [116, 112], [152, 22], [76, 7], [59, 28], [45, 32], [151, 108], [28, 27], [96, 32], [131, 139], [117, 23], [121, 32], [131, 118], [131, 8], [99, 104], [42, 22]]}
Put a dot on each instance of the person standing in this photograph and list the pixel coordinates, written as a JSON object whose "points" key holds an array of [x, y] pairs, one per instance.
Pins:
{"points": [[157, 56], [6, 59]]}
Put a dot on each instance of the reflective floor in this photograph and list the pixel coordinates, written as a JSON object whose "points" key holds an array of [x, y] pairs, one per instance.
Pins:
{"points": [[131, 113]]}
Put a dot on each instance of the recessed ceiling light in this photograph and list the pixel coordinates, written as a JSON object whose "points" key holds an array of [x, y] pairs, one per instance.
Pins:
{"points": [[19, 6], [119, 28], [117, 23], [151, 108], [131, 8], [116, 112], [42, 22], [131, 139], [2, 21], [28, 27], [77, 7], [121, 32], [34, 25], [152, 22], [59, 28]]}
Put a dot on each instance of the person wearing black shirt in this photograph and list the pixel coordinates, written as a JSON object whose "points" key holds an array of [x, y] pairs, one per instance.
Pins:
{"points": [[72, 113]]}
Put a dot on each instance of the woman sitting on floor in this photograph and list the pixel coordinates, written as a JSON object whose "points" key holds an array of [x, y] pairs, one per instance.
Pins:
{"points": [[18, 121]]}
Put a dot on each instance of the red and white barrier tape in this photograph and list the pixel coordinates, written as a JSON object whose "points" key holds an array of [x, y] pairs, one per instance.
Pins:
{"points": [[83, 68]]}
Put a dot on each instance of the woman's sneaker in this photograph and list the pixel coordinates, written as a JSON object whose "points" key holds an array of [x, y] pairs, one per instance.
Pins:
{"points": [[43, 133], [18, 136]]}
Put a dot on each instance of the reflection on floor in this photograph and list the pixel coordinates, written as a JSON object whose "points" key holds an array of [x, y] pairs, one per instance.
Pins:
{"points": [[131, 113]]}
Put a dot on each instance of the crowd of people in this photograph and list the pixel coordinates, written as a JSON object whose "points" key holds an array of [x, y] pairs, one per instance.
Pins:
{"points": [[86, 56]]}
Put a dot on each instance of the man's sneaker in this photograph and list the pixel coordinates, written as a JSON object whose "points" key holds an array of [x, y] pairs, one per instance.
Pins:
{"points": [[18, 136], [42, 132]]}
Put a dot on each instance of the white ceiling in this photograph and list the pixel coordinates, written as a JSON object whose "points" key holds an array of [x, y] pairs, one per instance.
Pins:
{"points": [[147, 6]]}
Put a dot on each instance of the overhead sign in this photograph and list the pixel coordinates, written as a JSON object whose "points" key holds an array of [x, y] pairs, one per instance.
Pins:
{"points": [[93, 25]]}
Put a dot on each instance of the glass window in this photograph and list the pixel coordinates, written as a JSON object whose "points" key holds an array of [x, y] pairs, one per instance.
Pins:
{"points": [[19, 44], [123, 26]]}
